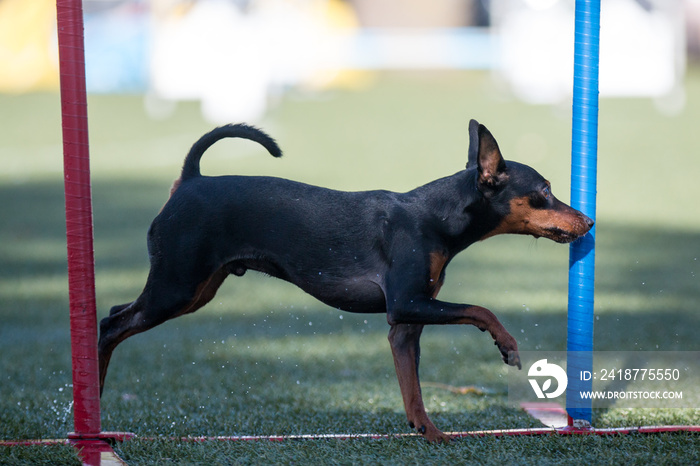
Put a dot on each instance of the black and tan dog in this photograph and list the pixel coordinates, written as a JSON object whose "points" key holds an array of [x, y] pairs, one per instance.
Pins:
{"points": [[365, 252]]}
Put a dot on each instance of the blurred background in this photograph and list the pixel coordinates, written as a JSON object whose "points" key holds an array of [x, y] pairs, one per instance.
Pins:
{"points": [[237, 56]]}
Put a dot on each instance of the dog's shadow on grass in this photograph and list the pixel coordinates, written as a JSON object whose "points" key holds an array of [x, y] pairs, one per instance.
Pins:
{"points": [[32, 224]]}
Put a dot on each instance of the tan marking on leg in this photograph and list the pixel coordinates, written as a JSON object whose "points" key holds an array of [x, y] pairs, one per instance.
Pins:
{"points": [[404, 341], [437, 265], [205, 292]]}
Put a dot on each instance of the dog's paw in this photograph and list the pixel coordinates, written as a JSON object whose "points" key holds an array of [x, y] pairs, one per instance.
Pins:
{"points": [[509, 350], [434, 435], [514, 359], [431, 433]]}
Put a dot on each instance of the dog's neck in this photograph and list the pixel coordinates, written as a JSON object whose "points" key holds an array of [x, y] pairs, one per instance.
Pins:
{"points": [[450, 206]]}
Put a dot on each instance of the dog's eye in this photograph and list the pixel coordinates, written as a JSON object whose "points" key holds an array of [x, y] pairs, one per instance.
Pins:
{"points": [[539, 199]]}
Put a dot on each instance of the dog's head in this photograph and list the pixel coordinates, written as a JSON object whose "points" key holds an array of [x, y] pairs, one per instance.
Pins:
{"points": [[520, 196]]}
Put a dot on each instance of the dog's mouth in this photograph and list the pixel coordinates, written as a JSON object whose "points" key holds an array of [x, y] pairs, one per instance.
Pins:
{"points": [[574, 231], [560, 236]]}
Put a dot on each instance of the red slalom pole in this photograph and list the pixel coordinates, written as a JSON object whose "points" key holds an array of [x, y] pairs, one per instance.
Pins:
{"points": [[79, 227]]}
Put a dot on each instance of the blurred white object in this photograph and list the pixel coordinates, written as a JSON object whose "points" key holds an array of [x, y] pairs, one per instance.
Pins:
{"points": [[230, 60], [210, 53], [642, 48]]}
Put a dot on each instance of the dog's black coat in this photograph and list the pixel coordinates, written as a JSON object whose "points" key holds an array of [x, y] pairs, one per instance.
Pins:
{"points": [[367, 252]]}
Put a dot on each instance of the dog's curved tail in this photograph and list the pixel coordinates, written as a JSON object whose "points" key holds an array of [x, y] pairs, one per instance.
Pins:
{"points": [[190, 168]]}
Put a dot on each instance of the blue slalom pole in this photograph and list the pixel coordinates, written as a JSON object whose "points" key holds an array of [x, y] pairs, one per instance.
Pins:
{"points": [[584, 154]]}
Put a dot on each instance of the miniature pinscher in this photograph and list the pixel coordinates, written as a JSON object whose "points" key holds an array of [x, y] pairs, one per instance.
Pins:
{"points": [[364, 252]]}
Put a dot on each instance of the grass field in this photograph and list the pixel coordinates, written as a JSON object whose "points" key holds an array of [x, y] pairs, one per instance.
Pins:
{"points": [[263, 358]]}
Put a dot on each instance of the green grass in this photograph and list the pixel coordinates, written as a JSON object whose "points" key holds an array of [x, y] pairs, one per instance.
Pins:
{"points": [[263, 358]]}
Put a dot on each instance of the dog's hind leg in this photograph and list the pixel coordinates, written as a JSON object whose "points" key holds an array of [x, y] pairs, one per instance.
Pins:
{"points": [[119, 308], [159, 302]]}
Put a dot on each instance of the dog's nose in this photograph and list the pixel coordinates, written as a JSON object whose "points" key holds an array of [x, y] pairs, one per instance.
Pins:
{"points": [[589, 221]]}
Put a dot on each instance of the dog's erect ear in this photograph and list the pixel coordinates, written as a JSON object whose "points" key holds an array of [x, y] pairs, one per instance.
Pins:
{"points": [[473, 144], [485, 155]]}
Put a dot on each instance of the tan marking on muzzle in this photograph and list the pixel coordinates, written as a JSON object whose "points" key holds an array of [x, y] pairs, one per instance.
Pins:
{"points": [[560, 223]]}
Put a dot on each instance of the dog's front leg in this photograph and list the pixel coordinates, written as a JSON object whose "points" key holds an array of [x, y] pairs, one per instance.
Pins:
{"points": [[405, 346], [429, 311]]}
